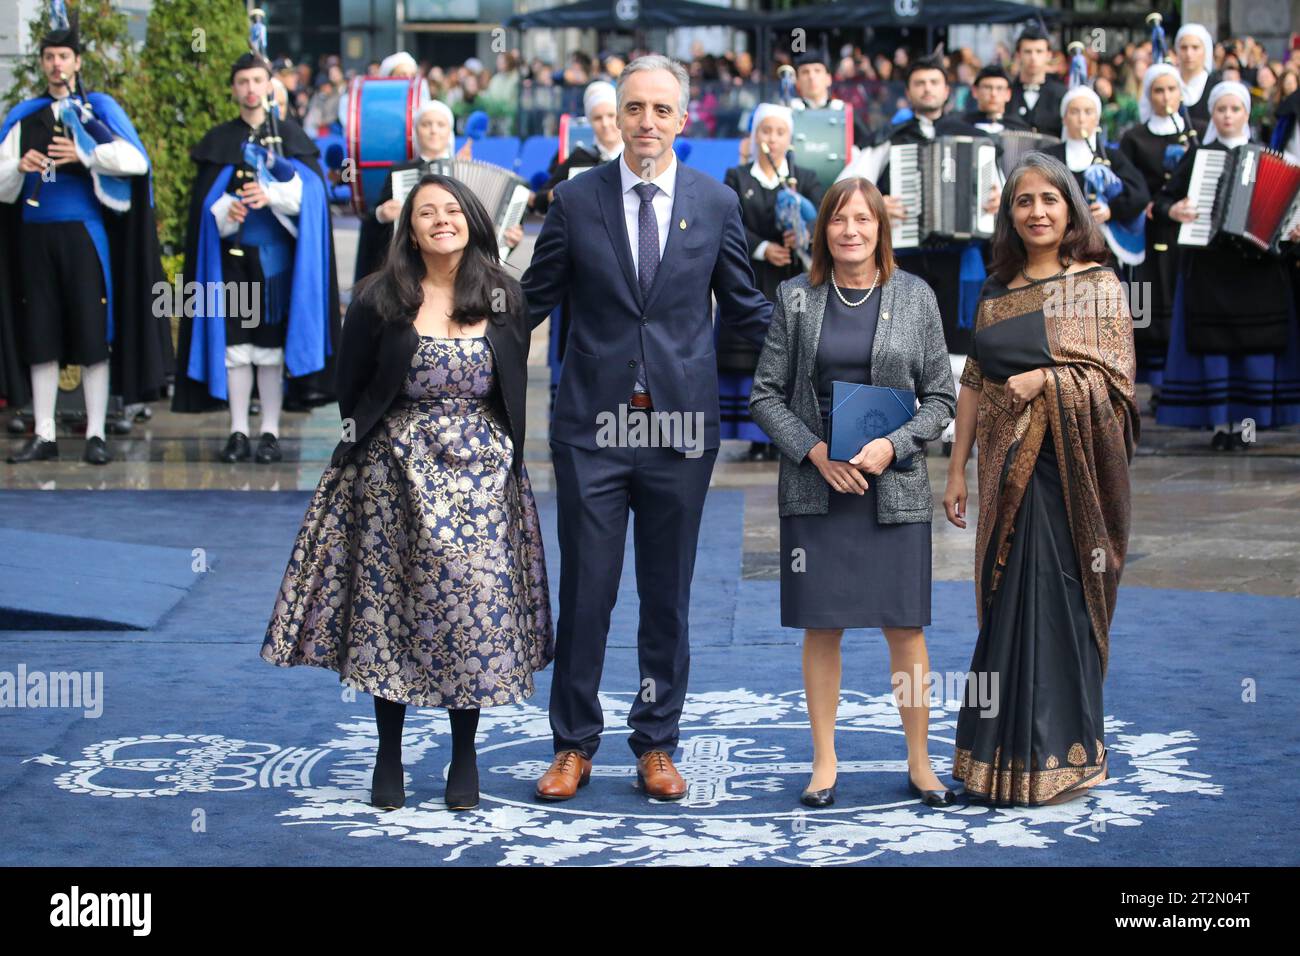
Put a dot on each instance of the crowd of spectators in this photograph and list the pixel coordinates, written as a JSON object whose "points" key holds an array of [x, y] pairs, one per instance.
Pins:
{"points": [[523, 98]]}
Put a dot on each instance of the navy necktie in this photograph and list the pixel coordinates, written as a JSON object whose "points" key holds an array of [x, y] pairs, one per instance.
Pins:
{"points": [[647, 231], [647, 258]]}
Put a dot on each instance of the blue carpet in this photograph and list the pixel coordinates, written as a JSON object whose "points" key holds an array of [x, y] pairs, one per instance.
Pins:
{"points": [[64, 582], [197, 752]]}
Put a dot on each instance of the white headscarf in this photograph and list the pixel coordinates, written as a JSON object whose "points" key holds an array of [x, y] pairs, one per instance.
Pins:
{"points": [[762, 112], [1226, 88], [1081, 90], [390, 63], [1202, 34], [1153, 73], [435, 106], [601, 91]]}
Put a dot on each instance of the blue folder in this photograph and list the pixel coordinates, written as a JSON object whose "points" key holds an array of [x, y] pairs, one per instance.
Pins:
{"points": [[861, 413]]}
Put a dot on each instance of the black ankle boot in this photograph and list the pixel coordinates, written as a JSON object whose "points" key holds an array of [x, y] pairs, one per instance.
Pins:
{"points": [[386, 790], [462, 776]]}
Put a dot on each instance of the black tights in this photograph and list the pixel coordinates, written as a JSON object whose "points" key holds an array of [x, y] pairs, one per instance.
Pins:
{"points": [[391, 715]]}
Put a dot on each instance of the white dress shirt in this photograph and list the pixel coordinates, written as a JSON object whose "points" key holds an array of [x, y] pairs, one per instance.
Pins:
{"points": [[118, 158], [1195, 87], [662, 203]]}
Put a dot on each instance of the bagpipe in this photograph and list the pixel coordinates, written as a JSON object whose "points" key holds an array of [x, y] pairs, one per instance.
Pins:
{"points": [[77, 121], [260, 162], [794, 211], [1127, 240]]}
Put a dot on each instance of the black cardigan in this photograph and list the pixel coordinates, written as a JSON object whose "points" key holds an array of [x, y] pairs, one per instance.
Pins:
{"points": [[374, 357]]}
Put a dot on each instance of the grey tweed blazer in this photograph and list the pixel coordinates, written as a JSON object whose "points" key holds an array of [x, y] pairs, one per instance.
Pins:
{"points": [[908, 353]]}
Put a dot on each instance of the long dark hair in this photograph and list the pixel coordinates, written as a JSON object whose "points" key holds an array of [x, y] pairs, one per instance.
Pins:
{"points": [[483, 287], [1082, 242]]}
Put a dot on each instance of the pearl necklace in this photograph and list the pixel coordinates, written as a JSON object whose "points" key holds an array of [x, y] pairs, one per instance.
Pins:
{"points": [[861, 300]]}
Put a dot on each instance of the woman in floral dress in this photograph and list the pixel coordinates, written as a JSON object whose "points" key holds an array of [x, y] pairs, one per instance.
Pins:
{"points": [[418, 574]]}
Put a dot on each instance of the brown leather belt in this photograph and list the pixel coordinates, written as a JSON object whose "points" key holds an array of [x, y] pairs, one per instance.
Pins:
{"points": [[640, 400]]}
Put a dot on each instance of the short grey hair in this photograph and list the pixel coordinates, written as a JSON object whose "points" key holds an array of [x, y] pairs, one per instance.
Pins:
{"points": [[657, 61]]}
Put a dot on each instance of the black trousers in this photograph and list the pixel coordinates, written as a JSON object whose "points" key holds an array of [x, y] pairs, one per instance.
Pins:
{"points": [[65, 315], [595, 490]]}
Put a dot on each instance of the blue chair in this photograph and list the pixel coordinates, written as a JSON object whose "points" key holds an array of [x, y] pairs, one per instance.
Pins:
{"points": [[498, 150], [536, 154]]}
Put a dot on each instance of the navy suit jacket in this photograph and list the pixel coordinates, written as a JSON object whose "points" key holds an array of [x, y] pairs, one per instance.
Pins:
{"points": [[583, 253]]}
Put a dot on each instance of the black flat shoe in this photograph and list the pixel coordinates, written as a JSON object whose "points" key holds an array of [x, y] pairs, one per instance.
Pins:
{"points": [[268, 449], [463, 793], [1237, 441], [755, 452], [1222, 441], [17, 425], [818, 798], [931, 798], [96, 452], [237, 448], [36, 449]]}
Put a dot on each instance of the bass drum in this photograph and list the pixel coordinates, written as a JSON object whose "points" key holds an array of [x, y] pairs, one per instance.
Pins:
{"points": [[380, 131]]}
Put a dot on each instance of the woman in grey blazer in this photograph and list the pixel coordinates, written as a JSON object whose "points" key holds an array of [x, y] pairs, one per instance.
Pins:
{"points": [[855, 535]]}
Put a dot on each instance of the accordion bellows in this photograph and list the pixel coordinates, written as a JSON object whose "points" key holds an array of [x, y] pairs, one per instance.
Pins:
{"points": [[503, 194]]}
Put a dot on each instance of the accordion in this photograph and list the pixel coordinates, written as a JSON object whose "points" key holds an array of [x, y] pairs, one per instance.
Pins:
{"points": [[503, 194], [943, 184], [1248, 194], [1018, 143]]}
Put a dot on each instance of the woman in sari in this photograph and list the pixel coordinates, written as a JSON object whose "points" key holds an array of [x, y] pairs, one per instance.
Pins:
{"points": [[1049, 399]]}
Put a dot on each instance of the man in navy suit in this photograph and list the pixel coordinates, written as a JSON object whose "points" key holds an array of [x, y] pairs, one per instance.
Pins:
{"points": [[636, 245]]}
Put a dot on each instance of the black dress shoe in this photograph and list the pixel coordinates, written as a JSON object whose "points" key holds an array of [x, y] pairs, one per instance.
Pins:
{"points": [[1222, 441], [931, 798], [36, 449], [1237, 441], [268, 449], [237, 448], [756, 451], [96, 452], [818, 798], [17, 425]]}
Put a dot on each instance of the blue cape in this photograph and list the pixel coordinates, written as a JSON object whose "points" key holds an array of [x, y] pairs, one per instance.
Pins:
{"points": [[307, 340], [104, 107]]}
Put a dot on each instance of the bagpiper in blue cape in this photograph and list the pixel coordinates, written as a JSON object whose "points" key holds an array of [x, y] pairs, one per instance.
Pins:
{"points": [[313, 317], [141, 354]]}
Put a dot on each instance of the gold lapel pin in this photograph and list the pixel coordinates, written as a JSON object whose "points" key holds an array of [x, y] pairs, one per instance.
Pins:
{"points": [[682, 224]]}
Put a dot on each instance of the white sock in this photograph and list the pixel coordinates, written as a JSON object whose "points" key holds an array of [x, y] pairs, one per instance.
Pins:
{"points": [[94, 383], [239, 389], [45, 391], [270, 386]]}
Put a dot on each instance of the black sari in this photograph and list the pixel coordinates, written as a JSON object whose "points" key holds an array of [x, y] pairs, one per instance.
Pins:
{"points": [[1052, 534]]}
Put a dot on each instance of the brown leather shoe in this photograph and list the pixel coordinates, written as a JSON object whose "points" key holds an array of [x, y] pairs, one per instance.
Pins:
{"points": [[656, 775], [569, 771]]}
